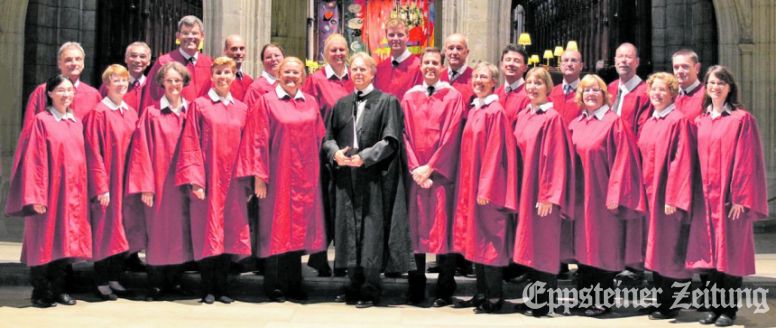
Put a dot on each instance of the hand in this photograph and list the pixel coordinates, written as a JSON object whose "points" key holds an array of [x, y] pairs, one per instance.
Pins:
{"points": [[421, 173], [427, 184], [356, 161], [543, 208], [260, 188], [736, 211], [198, 191], [39, 209], [104, 199], [612, 207], [670, 209], [482, 201], [147, 198], [341, 158]]}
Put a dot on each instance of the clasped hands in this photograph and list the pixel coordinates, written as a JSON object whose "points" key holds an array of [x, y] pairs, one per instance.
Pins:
{"points": [[345, 160]]}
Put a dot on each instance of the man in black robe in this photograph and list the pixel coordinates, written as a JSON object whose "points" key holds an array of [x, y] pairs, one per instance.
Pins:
{"points": [[363, 145]]}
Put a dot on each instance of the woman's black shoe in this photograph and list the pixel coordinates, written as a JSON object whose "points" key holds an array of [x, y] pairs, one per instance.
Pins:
{"points": [[208, 299], [41, 303], [154, 294], [277, 296], [709, 318], [724, 321], [64, 299], [107, 297], [596, 311]]}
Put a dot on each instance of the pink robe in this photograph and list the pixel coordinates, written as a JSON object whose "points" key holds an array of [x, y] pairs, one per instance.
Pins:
{"points": [[513, 102], [432, 136], [281, 145], [239, 88], [636, 108], [107, 135], [668, 165], [258, 88], [50, 169], [151, 168], [208, 155], [398, 80], [565, 105], [327, 91], [199, 74], [462, 83], [732, 172], [85, 98], [607, 171], [547, 176], [691, 104], [134, 95], [488, 168]]}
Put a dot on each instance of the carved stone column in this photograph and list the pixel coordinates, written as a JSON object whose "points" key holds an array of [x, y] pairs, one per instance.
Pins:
{"points": [[251, 19], [485, 23]]}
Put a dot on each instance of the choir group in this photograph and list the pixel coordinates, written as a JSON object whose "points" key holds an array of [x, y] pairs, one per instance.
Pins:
{"points": [[390, 161]]}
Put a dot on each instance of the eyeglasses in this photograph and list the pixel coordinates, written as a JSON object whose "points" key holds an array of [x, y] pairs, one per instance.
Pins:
{"points": [[716, 83], [591, 90], [63, 90]]}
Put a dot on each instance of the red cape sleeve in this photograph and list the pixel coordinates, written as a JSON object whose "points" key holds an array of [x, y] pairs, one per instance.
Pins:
{"points": [[253, 158], [681, 167], [748, 184], [499, 172], [35, 104], [140, 171], [625, 185], [94, 139], [191, 164], [409, 143], [444, 160], [30, 173], [556, 167]]}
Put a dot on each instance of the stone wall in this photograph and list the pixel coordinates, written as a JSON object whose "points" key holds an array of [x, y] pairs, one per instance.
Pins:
{"points": [[683, 24]]}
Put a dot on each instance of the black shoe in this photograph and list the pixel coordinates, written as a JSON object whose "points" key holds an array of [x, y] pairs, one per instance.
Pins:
{"points": [[225, 299], [596, 311], [134, 264], [277, 296], [488, 307], [177, 290], [107, 297], [42, 303], [472, 302], [536, 313], [340, 272], [415, 300], [344, 298], [519, 279], [658, 315], [64, 299], [433, 269], [363, 304], [325, 272], [442, 302], [298, 295], [208, 299], [724, 321], [464, 271], [154, 294], [709, 318]]}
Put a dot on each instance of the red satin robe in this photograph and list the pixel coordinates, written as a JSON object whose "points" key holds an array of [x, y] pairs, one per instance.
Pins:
{"points": [[398, 80], [691, 104], [199, 74], [85, 98], [513, 102], [636, 108], [565, 105], [327, 91]]}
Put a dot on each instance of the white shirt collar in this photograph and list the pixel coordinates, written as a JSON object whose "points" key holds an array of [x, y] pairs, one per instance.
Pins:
{"points": [[59, 117], [598, 113], [187, 56], [691, 88], [141, 80], [458, 72], [403, 56], [77, 83], [631, 84], [542, 108], [216, 98], [283, 94], [329, 71], [165, 103], [726, 109], [477, 102], [366, 90], [572, 84], [664, 112], [514, 86], [109, 103], [271, 79]]}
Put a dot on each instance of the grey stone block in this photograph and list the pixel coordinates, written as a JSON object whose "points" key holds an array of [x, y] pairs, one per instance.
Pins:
{"points": [[70, 18]]}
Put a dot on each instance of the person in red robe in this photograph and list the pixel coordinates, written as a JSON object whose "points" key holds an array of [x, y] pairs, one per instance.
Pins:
{"points": [[629, 92], [458, 73], [151, 180], [512, 93], [329, 85], [734, 191], [108, 130], [686, 68], [234, 47], [70, 61], [280, 150], [668, 168], [547, 187], [400, 72], [433, 119], [191, 32], [50, 170], [137, 57], [486, 191], [271, 56], [564, 95], [206, 165], [610, 200]]}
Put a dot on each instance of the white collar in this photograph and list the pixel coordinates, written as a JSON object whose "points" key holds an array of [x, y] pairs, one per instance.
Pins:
{"points": [[165, 103], [542, 108], [477, 102], [691, 88], [726, 109], [329, 71], [403, 56], [514, 86], [283, 94], [458, 72], [439, 85], [631, 84], [573, 84], [216, 98], [664, 112], [366, 90], [109, 103], [141, 80], [271, 79], [59, 117], [598, 113], [187, 56], [76, 83]]}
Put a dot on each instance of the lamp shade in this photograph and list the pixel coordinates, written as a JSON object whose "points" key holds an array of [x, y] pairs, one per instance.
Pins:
{"points": [[558, 51], [524, 39], [572, 45], [535, 58], [548, 54]]}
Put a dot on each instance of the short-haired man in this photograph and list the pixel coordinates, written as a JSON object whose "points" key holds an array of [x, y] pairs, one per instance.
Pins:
{"points": [[397, 74], [458, 73], [630, 101], [234, 47], [691, 91], [137, 57], [512, 93], [191, 32], [564, 95], [70, 61]]}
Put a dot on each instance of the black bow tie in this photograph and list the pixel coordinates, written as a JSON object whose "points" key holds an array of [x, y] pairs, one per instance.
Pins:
{"points": [[360, 96], [430, 89], [395, 63]]}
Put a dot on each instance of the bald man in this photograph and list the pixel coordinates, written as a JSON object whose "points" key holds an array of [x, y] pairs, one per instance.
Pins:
{"points": [[563, 95], [630, 100], [234, 47], [457, 73]]}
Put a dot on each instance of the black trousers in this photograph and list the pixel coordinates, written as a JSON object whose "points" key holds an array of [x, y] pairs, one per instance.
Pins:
{"points": [[669, 293], [164, 277], [48, 280], [550, 281], [446, 285], [588, 277], [489, 283], [214, 272], [365, 284], [283, 272], [726, 291], [320, 261], [108, 269]]}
